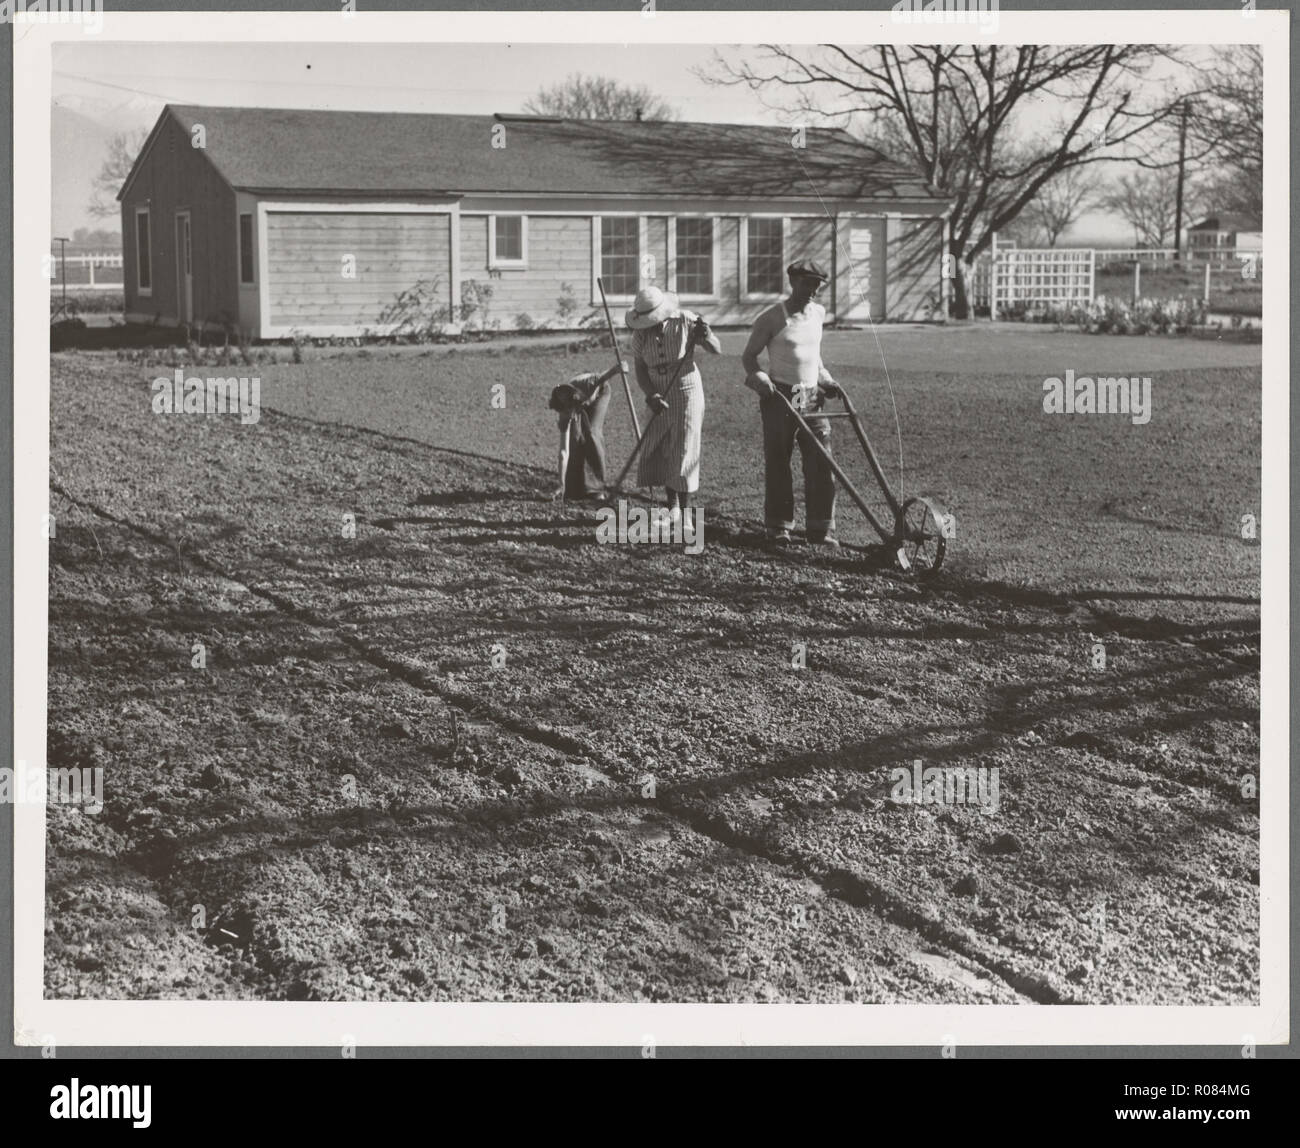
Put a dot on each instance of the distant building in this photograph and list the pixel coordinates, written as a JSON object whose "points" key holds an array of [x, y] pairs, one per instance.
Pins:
{"points": [[1221, 237], [278, 220]]}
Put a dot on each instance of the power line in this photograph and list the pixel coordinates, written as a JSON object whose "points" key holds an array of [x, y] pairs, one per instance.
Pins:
{"points": [[308, 85]]}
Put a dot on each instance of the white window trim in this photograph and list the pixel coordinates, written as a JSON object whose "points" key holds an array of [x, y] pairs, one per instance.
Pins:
{"points": [[761, 296], [495, 263], [139, 290], [239, 245], [713, 296], [642, 242]]}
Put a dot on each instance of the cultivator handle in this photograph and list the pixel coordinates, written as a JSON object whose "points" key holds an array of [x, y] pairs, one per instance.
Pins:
{"points": [[917, 536]]}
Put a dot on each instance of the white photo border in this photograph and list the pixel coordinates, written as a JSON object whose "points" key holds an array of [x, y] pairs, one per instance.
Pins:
{"points": [[237, 1023]]}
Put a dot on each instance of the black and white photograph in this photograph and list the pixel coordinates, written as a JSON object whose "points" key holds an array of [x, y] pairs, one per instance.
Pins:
{"points": [[648, 522]]}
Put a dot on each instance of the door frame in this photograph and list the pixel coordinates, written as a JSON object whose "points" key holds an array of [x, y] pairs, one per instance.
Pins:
{"points": [[847, 304]]}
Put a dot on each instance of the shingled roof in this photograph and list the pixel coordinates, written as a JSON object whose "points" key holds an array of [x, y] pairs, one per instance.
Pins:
{"points": [[328, 153], [1227, 222]]}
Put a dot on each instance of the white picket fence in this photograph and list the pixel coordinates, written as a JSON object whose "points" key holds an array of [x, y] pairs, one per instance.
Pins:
{"points": [[1220, 259], [1048, 276], [87, 272], [1147, 256]]}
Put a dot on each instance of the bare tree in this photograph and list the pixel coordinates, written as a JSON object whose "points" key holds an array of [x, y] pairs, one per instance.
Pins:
{"points": [[599, 98], [1060, 204], [1145, 201], [122, 150], [1229, 120], [954, 113]]}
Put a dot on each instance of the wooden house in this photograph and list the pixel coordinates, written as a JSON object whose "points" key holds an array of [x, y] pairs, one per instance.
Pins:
{"points": [[278, 221]]}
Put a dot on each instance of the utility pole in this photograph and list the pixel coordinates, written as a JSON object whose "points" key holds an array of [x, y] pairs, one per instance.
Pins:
{"points": [[1178, 196]]}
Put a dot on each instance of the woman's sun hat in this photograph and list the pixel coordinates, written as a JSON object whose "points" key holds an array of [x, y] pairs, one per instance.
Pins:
{"points": [[651, 307]]}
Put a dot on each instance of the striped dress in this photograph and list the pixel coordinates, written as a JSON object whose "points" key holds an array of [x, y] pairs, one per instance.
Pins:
{"points": [[671, 455]]}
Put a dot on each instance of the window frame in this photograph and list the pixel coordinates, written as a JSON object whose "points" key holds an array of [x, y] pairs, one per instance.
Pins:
{"points": [[714, 295], [497, 263], [252, 248], [597, 255], [147, 263], [762, 296]]}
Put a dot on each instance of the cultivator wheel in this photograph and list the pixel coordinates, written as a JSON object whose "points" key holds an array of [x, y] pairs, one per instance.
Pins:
{"points": [[919, 538]]}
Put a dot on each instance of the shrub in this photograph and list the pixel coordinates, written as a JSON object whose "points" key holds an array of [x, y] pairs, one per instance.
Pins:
{"points": [[1110, 315], [566, 306], [475, 302], [417, 311]]}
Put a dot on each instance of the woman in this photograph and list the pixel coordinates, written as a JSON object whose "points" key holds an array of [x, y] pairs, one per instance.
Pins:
{"points": [[664, 338]]}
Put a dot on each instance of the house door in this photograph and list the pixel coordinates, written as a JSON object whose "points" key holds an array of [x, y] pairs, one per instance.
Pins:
{"points": [[184, 270], [860, 295]]}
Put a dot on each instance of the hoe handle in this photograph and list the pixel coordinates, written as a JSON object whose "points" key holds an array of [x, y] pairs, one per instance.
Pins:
{"points": [[871, 454], [618, 354]]}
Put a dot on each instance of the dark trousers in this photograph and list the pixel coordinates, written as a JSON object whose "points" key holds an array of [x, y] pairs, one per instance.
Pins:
{"points": [[587, 445], [780, 433]]}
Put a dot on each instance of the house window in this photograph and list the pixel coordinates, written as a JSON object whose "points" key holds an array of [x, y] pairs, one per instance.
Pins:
{"points": [[694, 256], [765, 257], [246, 247], [620, 253], [507, 241], [143, 261]]}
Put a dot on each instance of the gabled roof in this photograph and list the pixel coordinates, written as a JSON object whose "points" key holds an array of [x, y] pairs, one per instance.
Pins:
{"points": [[1227, 222], [293, 151]]}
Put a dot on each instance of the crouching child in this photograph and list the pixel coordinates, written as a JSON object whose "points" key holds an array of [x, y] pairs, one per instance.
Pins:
{"points": [[580, 406]]}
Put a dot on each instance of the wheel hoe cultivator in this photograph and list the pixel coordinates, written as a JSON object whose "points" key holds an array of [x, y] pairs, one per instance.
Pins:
{"points": [[917, 536]]}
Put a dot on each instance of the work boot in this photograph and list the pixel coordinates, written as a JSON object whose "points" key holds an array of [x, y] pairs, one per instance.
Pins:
{"points": [[827, 539], [778, 536]]}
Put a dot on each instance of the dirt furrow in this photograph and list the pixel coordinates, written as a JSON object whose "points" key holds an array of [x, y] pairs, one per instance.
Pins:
{"points": [[854, 889]]}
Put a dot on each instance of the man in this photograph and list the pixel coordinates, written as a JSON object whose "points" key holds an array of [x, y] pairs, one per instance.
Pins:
{"points": [[580, 406], [791, 333]]}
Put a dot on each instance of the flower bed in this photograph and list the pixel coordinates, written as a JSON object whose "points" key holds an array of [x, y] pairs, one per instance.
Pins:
{"points": [[1109, 315]]}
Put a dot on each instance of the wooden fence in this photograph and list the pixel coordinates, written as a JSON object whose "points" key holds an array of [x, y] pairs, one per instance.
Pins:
{"points": [[101, 272], [1220, 259]]}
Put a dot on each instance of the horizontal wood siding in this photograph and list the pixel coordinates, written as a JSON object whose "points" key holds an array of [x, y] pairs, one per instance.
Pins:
{"points": [[730, 289], [176, 176], [392, 252], [915, 263], [811, 239], [656, 241], [559, 252]]}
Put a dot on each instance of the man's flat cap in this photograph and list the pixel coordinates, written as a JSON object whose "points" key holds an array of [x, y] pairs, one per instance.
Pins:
{"points": [[807, 267]]}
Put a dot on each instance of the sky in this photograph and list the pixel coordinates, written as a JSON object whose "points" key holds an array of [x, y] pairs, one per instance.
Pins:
{"points": [[123, 86]]}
